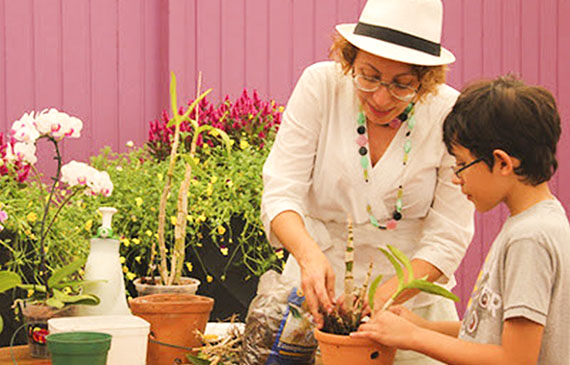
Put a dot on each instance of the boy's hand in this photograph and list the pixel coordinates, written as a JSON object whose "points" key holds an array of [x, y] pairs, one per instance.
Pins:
{"points": [[388, 329], [410, 316]]}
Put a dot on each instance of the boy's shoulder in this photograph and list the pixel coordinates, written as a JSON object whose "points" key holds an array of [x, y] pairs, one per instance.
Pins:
{"points": [[545, 221]]}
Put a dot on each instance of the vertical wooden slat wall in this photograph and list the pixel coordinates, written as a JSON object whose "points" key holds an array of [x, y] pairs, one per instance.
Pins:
{"points": [[108, 62]]}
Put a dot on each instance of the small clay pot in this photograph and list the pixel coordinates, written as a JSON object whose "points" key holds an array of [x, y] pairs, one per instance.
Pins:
{"points": [[174, 319], [338, 350]]}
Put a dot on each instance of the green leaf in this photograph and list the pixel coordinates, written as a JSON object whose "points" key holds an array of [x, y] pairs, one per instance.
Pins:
{"points": [[173, 101], [372, 291], [432, 288], [196, 360], [58, 275], [397, 267], [35, 287], [54, 302], [9, 280], [404, 260], [76, 284], [86, 299], [1, 324]]}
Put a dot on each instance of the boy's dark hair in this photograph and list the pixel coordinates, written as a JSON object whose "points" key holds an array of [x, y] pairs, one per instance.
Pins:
{"points": [[507, 114]]}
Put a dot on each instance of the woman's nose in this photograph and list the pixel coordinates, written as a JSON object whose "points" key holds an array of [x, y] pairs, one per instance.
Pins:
{"points": [[382, 96]]}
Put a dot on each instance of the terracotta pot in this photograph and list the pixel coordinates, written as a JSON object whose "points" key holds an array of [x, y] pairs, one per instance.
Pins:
{"points": [[187, 286], [174, 319], [36, 316], [338, 350]]}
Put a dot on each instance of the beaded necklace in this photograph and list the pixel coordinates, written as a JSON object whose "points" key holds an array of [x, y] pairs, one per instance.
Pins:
{"points": [[407, 116]]}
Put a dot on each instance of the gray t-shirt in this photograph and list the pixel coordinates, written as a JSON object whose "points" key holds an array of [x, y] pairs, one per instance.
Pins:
{"points": [[526, 274]]}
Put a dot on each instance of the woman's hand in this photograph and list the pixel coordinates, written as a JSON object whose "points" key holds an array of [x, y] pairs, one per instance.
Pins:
{"points": [[388, 329], [317, 282]]}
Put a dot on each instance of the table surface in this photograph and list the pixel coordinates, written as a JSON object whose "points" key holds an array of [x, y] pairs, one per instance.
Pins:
{"points": [[22, 356]]}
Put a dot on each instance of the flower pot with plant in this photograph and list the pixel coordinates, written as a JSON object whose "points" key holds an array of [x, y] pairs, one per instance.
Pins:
{"points": [[334, 341], [52, 287]]}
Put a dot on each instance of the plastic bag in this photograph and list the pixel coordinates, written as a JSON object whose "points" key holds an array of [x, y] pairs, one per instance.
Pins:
{"points": [[278, 330]]}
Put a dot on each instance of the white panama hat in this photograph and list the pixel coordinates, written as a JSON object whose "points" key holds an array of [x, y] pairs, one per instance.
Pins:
{"points": [[408, 31]]}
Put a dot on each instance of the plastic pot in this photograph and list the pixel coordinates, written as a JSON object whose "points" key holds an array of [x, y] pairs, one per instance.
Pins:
{"points": [[78, 348]]}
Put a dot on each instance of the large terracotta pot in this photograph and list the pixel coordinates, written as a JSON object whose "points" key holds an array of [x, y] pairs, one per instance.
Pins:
{"points": [[174, 319], [340, 350]]}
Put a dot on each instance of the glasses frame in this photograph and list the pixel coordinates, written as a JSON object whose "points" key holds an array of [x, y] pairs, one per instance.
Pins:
{"points": [[458, 171], [388, 85]]}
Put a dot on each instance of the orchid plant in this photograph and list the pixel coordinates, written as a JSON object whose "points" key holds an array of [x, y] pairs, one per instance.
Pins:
{"points": [[18, 155], [347, 314]]}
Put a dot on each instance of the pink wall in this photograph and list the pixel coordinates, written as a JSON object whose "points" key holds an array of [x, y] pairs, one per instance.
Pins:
{"points": [[107, 61]]}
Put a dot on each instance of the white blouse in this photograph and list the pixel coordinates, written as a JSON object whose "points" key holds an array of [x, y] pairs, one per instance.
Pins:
{"points": [[314, 169]]}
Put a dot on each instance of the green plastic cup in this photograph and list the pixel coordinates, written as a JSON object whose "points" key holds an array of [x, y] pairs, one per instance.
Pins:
{"points": [[78, 348]]}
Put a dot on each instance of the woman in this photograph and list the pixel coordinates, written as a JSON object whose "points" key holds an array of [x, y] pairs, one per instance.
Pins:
{"points": [[361, 138]]}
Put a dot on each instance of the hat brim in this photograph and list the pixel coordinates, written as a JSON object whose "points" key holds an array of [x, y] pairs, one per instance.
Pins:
{"points": [[393, 51]]}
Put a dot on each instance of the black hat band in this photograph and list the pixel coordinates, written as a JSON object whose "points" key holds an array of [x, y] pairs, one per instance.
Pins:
{"points": [[397, 37]]}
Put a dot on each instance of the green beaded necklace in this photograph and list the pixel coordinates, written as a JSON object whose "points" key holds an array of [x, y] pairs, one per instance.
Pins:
{"points": [[407, 116]]}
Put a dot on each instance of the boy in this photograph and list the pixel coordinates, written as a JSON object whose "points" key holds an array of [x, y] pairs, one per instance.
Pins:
{"points": [[503, 135]]}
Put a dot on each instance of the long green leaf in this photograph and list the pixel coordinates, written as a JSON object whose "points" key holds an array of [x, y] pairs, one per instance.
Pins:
{"points": [[76, 284], [404, 260], [372, 291], [196, 360], [87, 299], [9, 280], [35, 287], [173, 102], [397, 267], [432, 288], [58, 275], [54, 302]]}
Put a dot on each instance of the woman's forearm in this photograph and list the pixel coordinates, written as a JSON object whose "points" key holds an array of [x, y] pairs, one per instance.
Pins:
{"points": [[290, 230]]}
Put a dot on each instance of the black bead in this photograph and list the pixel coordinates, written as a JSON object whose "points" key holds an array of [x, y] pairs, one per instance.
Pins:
{"points": [[397, 215], [408, 133], [363, 151], [374, 355], [403, 117], [361, 129]]}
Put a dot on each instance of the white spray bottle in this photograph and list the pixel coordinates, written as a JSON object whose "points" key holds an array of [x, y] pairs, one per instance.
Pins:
{"points": [[103, 267]]}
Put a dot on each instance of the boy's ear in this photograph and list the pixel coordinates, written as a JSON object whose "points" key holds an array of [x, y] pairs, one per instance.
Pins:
{"points": [[504, 162]]}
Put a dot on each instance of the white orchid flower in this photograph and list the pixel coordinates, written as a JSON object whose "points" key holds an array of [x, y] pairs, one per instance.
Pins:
{"points": [[22, 151]]}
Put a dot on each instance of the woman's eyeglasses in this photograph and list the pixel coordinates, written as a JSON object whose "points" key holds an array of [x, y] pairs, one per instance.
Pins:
{"points": [[370, 84]]}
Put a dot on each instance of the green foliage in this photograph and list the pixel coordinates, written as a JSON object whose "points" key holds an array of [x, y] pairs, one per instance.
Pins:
{"points": [[226, 188]]}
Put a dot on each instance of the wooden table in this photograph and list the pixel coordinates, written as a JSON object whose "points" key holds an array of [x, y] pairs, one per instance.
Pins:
{"points": [[22, 355]]}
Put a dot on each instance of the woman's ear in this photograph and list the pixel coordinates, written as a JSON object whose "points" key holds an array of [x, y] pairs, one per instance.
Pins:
{"points": [[504, 162]]}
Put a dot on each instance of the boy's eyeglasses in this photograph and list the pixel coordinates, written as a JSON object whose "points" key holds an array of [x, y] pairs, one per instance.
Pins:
{"points": [[371, 84], [457, 171]]}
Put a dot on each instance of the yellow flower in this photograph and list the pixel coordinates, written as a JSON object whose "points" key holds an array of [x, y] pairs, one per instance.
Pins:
{"points": [[136, 241], [196, 160], [194, 182], [279, 254], [281, 109], [189, 218], [122, 259], [125, 269], [202, 218], [30, 292], [209, 278], [199, 244], [221, 230], [89, 225], [159, 177], [32, 217], [138, 259], [138, 201], [152, 209], [173, 220], [214, 132], [224, 251], [243, 144], [148, 232], [213, 179], [131, 275], [230, 183], [209, 189], [126, 242], [133, 218], [189, 266]]}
